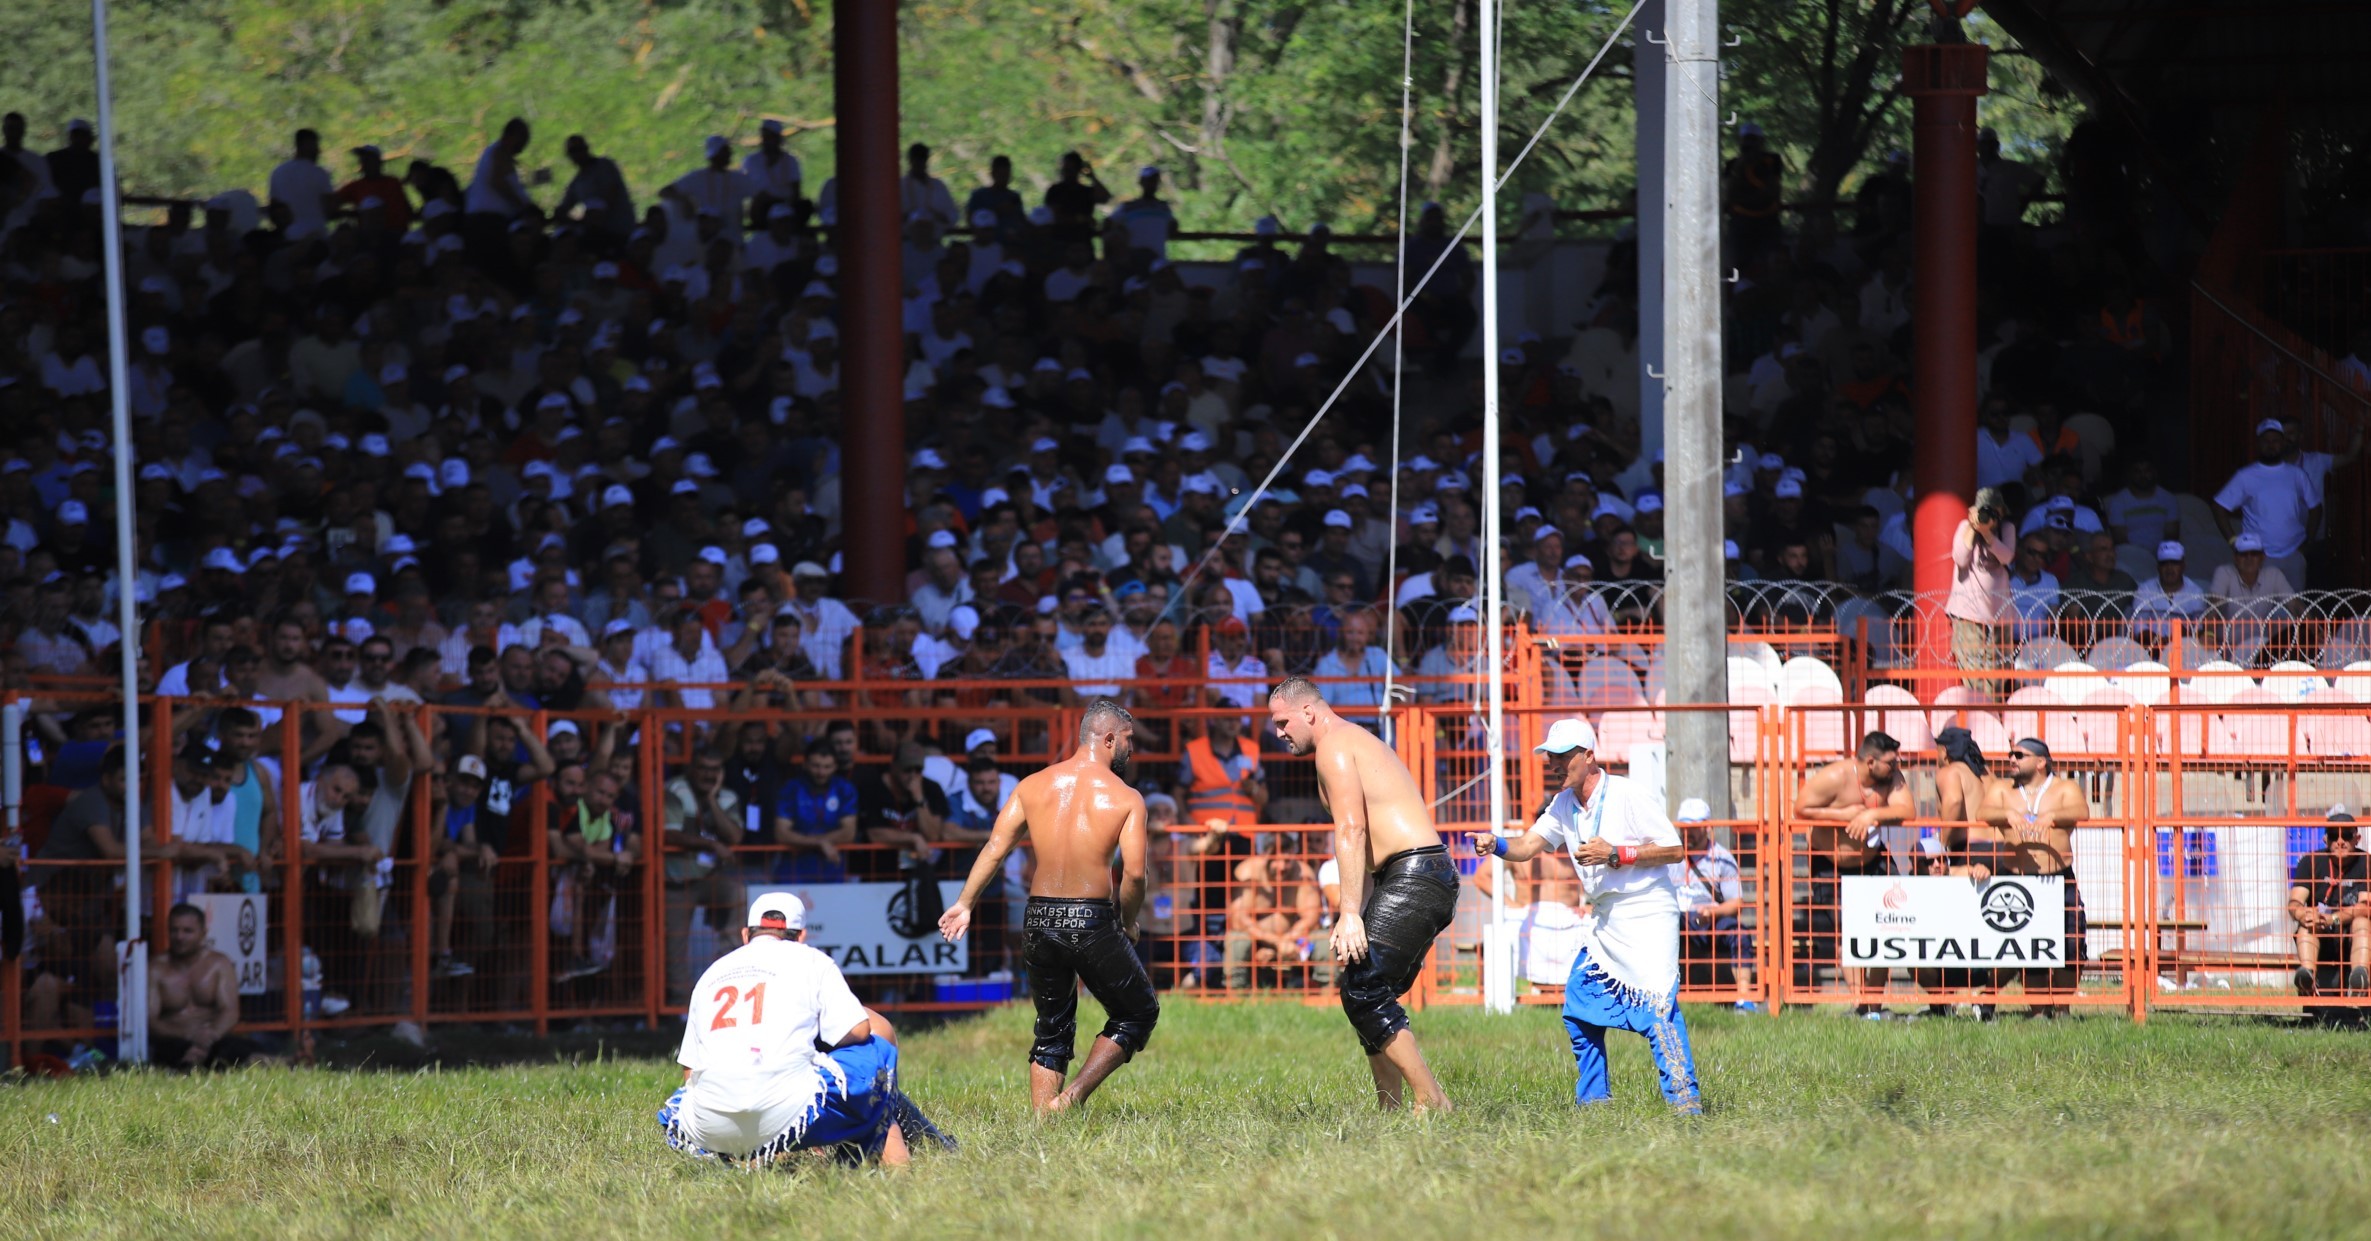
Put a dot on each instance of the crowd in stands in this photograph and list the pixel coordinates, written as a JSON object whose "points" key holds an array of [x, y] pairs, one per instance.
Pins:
{"points": [[438, 434]]}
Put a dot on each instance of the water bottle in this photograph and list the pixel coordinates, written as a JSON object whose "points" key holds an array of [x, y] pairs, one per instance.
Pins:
{"points": [[1304, 943], [310, 973], [1163, 906], [85, 1059], [103, 1014]]}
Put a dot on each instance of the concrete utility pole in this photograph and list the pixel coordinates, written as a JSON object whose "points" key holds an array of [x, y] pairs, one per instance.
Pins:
{"points": [[1943, 82], [1695, 668], [872, 335]]}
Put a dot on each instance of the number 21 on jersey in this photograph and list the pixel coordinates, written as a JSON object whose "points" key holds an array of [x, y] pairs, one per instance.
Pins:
{"points": [[726, 997]]}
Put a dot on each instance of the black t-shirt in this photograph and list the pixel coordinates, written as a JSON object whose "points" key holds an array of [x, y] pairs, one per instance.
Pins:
{"points": [[505, 797], [2332, 882], [876, 807]]}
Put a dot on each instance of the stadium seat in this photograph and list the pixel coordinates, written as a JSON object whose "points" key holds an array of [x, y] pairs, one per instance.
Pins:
{"points": [[2347, 642], [1744, 727], [2338, 729], [1804, 676], [2137, 561], [2115, 654], [2354, 681], [2293, 681], [2218, 681], [1745, 672], [2197, 522], [1603, 683], [2095, 441], [2073, 681], [2146, 681], [2103, 720], [1620, 731], [2043, 653], [2251, 734], [1880, 627], [1990, 734], [2027, 722], [1902, 718], [2182, 729], [2193, 654], [1764, 654]]}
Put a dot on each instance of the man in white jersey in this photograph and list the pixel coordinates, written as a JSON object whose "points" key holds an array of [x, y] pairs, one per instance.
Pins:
{"points": [[1627, 978], [778, 1056]]}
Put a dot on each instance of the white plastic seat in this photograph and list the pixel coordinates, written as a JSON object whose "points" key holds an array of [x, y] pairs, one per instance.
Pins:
{"points": [[1621, 731], [2339, 729], [2218, 681], [1806, 675], [1603, 683], [2115, 654], [1900, 717], [2251, 734], [2103, 717], [2354, 681], [2028, 721], [1991, 736], [1744, 726], [2147, 682], [2292, 680], [2072, 681], [1744, 673], [2043, 653]]}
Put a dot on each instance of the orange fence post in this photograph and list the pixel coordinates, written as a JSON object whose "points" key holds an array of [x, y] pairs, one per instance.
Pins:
{"points": [[292, 879], [652, 777], [539, 904], [424, 831]]}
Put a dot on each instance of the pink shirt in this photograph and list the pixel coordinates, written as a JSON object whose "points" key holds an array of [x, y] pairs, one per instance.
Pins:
{"points": [[1980, 573]]}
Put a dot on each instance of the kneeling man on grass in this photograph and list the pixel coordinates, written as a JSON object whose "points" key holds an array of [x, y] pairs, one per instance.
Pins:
{"points": [[778, 1056], [1627, 978]]}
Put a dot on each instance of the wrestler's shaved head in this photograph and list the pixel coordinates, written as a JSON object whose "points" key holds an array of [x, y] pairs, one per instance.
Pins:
{"points": [[1294, 691], [1103, 716]]}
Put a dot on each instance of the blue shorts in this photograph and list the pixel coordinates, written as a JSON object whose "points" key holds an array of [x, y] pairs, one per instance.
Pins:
{"points": [[856, 1116]]}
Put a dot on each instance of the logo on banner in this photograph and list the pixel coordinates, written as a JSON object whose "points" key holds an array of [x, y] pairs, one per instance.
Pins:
{"points": [[876, 928], [1933, 920], [2007, 906], [250, 925]]}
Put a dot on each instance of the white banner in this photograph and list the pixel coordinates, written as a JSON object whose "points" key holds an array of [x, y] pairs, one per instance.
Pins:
{"points": [[236, 928], [867, 928], [1938, 922]]}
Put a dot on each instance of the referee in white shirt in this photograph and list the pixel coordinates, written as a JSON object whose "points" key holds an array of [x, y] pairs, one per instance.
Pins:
{"points": [[778, 1056], [1627, 977]]}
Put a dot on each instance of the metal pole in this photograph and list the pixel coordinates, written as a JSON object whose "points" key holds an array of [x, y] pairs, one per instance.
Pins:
{"points": [[872, 385], [132, 972], [1498, 984], [1696, 666], [1646, 79], [1943, 83]]}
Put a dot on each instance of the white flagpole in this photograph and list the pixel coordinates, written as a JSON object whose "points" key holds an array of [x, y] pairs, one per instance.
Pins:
{"points": [[131, 1001], [1498, 984]]}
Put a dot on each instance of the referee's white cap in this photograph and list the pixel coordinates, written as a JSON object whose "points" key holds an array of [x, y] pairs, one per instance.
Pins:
{"points": [[1565, 736], [778, 910]]}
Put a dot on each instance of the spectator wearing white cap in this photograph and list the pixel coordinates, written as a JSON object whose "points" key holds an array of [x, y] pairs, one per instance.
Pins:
{"points": [[1147, 217], [303, 186], [554, 621], [2249, 586], [827, 621], [716, 188], [2274, 499], [944, 585], [2167, 596], [774, 173], [920, 192], [1711, 902]]}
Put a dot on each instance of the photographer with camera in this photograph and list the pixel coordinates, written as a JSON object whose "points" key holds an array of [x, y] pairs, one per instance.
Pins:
{"points": [[1980, 585]]}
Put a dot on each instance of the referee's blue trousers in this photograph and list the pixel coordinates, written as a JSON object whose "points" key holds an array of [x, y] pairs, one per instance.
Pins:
{"points": [[1594, 1003]]}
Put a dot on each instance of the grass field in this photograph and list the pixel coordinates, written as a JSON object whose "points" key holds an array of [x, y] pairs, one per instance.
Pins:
{"points": [[1253, 1121]]}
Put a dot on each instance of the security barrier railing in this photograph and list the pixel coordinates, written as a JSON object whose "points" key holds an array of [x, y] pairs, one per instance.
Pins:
{"points": [[573, 897]]}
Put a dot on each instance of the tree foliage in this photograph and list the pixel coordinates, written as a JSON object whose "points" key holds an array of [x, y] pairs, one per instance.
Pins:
{"points": [[1255, 106]]}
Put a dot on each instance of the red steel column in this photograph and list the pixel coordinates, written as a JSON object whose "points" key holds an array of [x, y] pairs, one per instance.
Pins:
{"points": [[1943, 82], [872, 342]]}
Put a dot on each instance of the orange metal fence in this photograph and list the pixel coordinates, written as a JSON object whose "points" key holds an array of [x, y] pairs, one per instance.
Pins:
{"points": [[2198, 814]]}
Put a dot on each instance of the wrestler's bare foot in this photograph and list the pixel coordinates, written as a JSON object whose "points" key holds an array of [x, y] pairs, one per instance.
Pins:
{"points": [[1045, 1088], [893, 1151], [1402, 1061]]}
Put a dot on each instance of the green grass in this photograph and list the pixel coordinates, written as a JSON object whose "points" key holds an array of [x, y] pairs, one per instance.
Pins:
{"points": [[1253, 1121]]}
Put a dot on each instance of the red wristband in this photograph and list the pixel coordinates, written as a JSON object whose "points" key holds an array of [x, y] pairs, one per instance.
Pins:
{"points": [[1627, 855]]}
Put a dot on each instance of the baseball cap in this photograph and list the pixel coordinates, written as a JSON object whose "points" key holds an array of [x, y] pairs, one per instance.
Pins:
{"points": [[1340, 519], [361, 584], [2248, 543], [1692, 810], [779, 911], [1787, 489], [978, 737], [2268, 424], [808, 568], [1117, 474], [2170, 550], [941, 539], [616, 494], [764, 553], [1565, 736], [73, 513], [470, 765], [224, 559], [616, 627]]}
